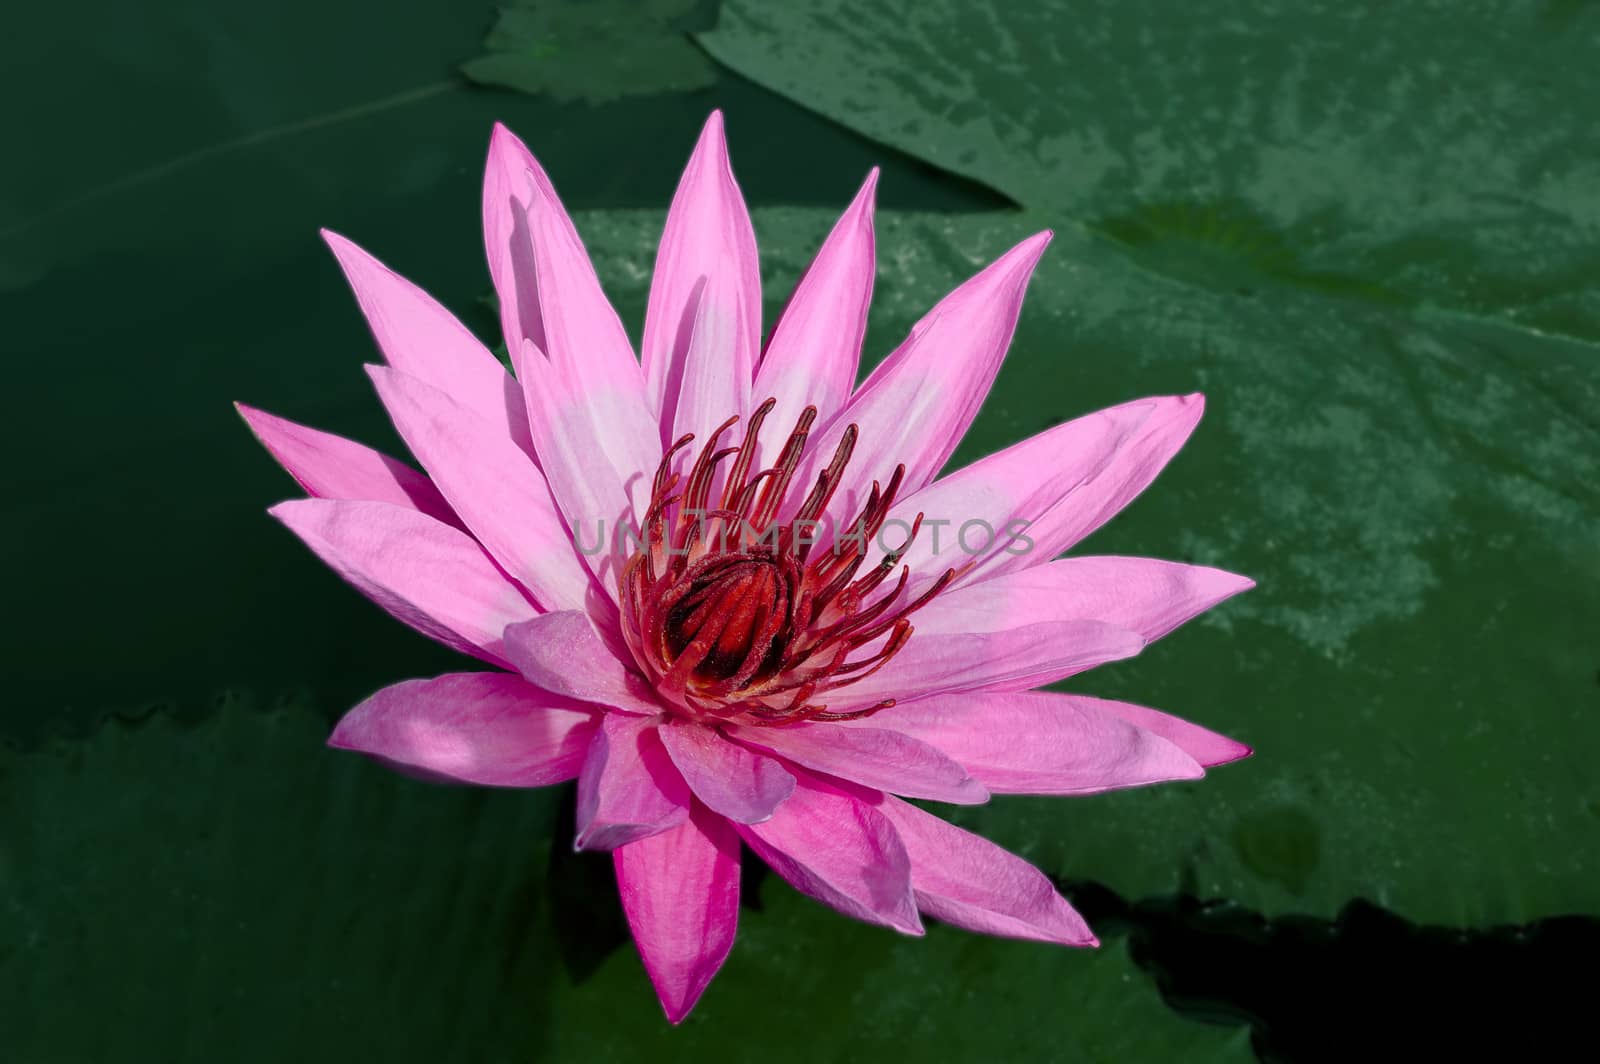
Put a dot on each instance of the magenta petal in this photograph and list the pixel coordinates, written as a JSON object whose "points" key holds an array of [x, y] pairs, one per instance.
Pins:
{"points": [[593, 429], [835, 846], [562, 652], [975, 518], [917, 404], [680, 891], [421, 339], [883, 760], [628, 788], [1144, 595], [707, 241], [509, 178], [431, 576], [1206, 747], [970, 882], [491, 728], [815, 348], [1100, 497], [714, 380], [332, 467], [495, 487], [731, 780], [1025, 657], [1040, 742]]}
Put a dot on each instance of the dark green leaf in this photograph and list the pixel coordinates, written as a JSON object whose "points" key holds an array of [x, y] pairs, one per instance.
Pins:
{"points": [[596, 50]]}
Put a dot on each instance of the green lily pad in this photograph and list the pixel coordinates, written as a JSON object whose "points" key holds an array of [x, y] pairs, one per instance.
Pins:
{"points": [[1414, 490], [596, 50], [233, 889], [1415, 152]]}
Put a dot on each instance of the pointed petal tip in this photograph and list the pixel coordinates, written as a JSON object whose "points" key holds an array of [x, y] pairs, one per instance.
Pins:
{"points": [[1237, 751], [1017, 264]]}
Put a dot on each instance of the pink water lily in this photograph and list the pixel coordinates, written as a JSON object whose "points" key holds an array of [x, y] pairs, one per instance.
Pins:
{"points": [[713, 579]]}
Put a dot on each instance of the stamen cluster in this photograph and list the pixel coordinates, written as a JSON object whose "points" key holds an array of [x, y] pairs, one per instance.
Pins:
{"points": [[726, 610]]}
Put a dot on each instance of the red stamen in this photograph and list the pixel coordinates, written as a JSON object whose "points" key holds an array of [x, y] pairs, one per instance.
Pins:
{"points": [[726, 613]]}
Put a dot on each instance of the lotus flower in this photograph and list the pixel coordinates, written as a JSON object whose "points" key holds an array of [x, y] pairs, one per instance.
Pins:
{"points": [[712, 577]]}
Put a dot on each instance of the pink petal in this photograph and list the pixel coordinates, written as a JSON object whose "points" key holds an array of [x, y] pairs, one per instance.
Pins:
{"points": [[1099, 498], [628, 789], [596, 390], [970, 882], [917, 404], [680, 891], [493, 485], [872, 757], [834, 845], [815, 348], [707, 236], [1040, 742], [980, 511], [1206, 747], [481, 727], [714, 379], [507, 241], [332, 467], [562, 652], [1144, 595], [738, 783], [420, 338], [1017, 659], [431, 576], [595, 434], [599, 450]]}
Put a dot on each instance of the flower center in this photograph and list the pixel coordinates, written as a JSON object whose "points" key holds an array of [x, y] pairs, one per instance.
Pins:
{"points": [[724, 606]]}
